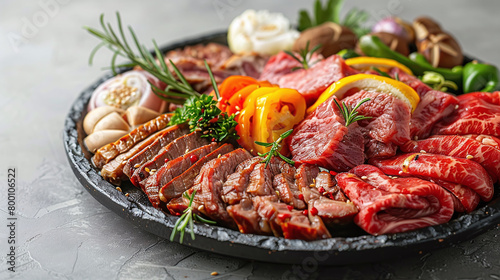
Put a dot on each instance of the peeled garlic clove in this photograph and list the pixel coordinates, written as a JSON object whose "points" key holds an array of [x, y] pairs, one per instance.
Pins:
{"points": [[111, 121], [94, 116], [137, 115], [98, 139]]}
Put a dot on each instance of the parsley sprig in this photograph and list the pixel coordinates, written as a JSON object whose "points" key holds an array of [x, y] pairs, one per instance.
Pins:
{"points": [[275, 149], [351, 115], [305, 57], [187, 219]]}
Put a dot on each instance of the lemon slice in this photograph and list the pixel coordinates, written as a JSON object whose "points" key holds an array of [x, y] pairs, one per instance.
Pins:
{"points": [[369, 83], [384, 64]]}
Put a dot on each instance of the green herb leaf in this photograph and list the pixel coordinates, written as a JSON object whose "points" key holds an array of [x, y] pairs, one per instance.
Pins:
{"points": [[305, 57], [202, 114], [275, 149], [351, 115], [187, 219]]}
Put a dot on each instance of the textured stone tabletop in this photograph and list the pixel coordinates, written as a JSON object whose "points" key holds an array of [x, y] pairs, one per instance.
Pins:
{"points": [[62, 232]]}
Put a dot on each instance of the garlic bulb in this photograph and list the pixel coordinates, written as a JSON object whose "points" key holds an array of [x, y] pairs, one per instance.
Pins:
{"points": [[261, 32], [128, 89]]}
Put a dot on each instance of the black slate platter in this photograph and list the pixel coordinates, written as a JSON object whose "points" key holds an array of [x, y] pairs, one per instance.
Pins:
{"points": [[351, 247]]}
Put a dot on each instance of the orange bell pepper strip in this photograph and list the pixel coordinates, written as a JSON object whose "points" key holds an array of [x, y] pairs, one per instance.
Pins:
{"points": [[231, 86], [267, 113]]}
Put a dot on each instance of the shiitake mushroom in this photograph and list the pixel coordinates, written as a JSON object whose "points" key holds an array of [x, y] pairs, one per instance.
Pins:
{"points": [[424, 26], [332, 37], [441, 50]]}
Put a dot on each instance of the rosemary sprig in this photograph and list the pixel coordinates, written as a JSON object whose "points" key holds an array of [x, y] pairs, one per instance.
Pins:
{"points": [[177, 91], [351, 116], [305, 57], [275, 149], [187, 219]]}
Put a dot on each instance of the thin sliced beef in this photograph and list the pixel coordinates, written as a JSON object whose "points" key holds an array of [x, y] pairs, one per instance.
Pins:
{"points": [[391, 205], [178, 185], [172, 169], [415, 83], [433, 107], [168, 135], [175, 149], [288, 191], [431, 166], [327, 186], [234, 188], [248, 219], [323, 139], [477, 113], [389, 125], [190, 60], [482, 149], [331, 212], [250, 65], [254, 179], [122, 145], [313, 81], [289, 223], [279, 65], [208, 185], [260, 181], [113, 170], [465, 199]]}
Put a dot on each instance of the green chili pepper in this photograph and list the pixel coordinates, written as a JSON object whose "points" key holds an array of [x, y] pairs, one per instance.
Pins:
{"points": [[480, 77], [348, 53], [372, 46]]}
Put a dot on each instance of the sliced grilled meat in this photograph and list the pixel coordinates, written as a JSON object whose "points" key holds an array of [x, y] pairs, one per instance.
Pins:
{"points": [[113, 170], [184, 181], [112, 150], [284, 184], [175, 149], [331, 211], [233, 190], [170, 134], [208, 185], [172, 169]]}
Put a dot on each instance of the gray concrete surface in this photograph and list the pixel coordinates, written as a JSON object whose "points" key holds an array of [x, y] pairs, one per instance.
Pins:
{"points": [[64, 233]]}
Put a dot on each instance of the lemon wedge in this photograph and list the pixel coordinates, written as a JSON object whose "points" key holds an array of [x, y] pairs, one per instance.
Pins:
{"points": [[355, 83], [384, 64]]}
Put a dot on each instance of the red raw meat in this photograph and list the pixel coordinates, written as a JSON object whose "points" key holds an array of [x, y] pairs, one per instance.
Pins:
{"points": [[313, 81], [389, 205], [431, 166], [465, 199], [482, 149], [477, 113], [433, 107], [389, 125], [278, 66], [323, 139], [415, 83]]}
